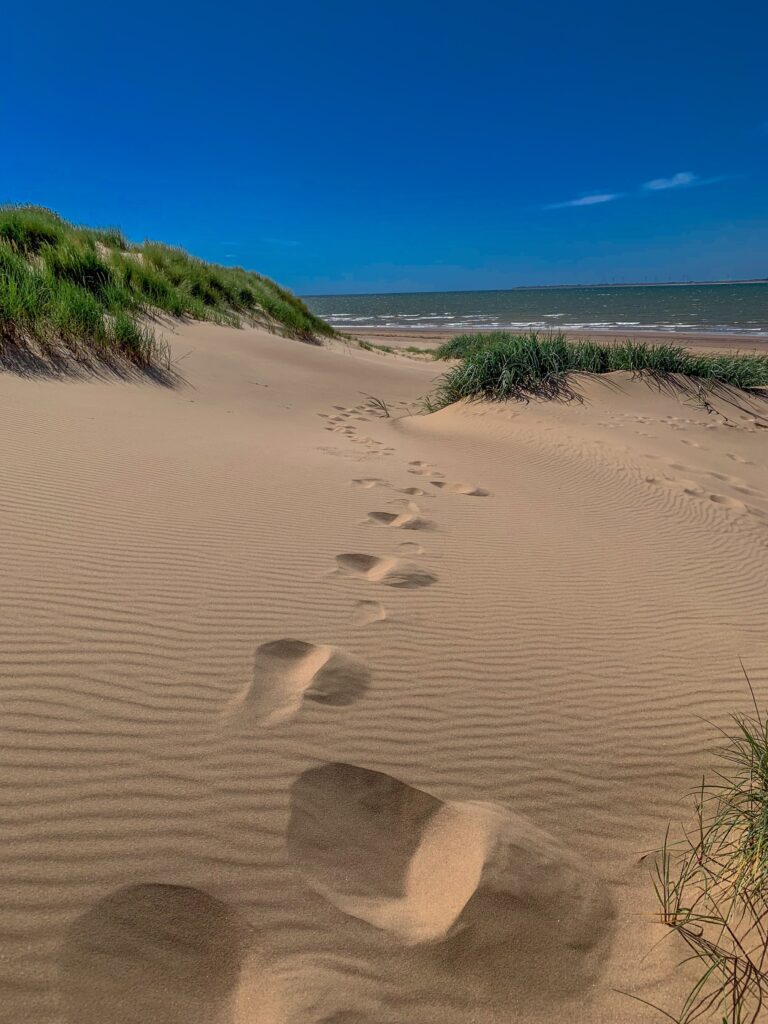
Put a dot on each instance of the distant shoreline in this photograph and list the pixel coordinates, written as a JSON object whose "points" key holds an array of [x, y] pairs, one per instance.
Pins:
{"points": [[542, 287]]}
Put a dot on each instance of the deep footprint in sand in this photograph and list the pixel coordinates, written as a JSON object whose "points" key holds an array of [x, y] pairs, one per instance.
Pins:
{"points": [[288, 672], [162, 953], [392, 572], [459, 488], [727, 502], [365, 613], [469, 883], [408, 520]]}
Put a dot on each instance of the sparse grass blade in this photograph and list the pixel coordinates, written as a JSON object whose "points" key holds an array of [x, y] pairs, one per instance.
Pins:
{"points": [[712, 883]]}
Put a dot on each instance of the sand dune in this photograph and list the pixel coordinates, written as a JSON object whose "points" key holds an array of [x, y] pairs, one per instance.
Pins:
{"points": [[273, 754]]}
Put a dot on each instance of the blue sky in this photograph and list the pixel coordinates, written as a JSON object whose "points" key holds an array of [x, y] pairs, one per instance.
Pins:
{"points": [[402, 146]]}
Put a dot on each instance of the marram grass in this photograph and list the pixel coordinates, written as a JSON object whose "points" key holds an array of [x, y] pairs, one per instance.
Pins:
{"points": [[90, 292], [712, 883], [501, 366]]}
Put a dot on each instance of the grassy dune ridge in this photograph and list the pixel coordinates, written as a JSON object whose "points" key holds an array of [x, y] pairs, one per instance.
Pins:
{"points": [[500, 365], [89, 291]]}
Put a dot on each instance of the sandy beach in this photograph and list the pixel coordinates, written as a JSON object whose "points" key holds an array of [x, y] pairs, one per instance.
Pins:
{"points": [[318, 715]]}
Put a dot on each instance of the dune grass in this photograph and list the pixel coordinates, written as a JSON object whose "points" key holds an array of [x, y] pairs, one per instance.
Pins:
{"points": [[712, 884], [90, 292], [501, 366]]}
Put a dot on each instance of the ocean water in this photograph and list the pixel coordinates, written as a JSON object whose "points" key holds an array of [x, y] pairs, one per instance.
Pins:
{"points": [[738, 308]]}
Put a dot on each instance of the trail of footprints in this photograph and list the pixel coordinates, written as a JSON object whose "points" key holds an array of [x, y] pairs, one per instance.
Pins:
{"points": [[471, 875], [176, 954], [342, 421], [701, 488], [290, 672]]}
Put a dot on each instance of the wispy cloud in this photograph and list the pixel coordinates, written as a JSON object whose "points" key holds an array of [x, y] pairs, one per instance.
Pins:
{"points": [[683, 179], [679, 180], [591, 200]]}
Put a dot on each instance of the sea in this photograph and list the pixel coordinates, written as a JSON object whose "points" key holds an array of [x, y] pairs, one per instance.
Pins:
{"points": [[713, 308]]}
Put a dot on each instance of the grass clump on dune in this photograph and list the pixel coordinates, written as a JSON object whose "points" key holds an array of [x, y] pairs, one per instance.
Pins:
{"points": [[89, 291], [500, 366], [712, 884]]}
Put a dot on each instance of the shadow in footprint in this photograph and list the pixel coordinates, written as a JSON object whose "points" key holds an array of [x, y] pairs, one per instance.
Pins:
{"points": [[458, 488], [164, 954], [392, 572], [402, 521], [366, 612], [471, 886], [287, 672]]}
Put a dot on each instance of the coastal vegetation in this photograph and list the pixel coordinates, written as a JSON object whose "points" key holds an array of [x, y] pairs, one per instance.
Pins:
{"points": [[712, 883], [91, 293], [501, 366]]}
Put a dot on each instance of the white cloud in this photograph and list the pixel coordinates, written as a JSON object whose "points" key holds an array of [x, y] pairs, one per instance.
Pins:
{"points": [[679, 180], [683, 179], [592, 200]]}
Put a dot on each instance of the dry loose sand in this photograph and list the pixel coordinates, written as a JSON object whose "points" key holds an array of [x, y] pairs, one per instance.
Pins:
{"points": [[316, 716]]}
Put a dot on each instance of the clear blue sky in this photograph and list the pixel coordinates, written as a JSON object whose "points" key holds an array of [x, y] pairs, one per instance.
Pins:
{"points": [[402, 145]]}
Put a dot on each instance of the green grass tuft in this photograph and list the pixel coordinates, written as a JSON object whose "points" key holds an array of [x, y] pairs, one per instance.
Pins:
{"points": [[87, 290], [501, 366], [712, 884]]}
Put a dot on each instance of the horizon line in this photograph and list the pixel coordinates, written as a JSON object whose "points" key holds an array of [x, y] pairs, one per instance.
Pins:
{"points": [[543, 287]]}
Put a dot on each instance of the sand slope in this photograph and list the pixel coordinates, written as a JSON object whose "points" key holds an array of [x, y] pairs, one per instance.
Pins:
{"points": [[311, 715]]}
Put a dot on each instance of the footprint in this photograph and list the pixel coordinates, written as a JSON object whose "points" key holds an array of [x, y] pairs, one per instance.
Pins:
{"points": [[727, 502], [415, 491], [153, 953], [370, 481], [468, 882], [740, 459], [392, 572], [366, 612], [410, 547], [287, 672], [421, 468], [403, 521], [458, 488], [724, 478], [691, 487]]}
